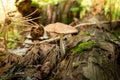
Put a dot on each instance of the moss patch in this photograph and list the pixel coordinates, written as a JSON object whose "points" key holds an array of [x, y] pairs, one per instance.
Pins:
{"points": [[83, 47]]}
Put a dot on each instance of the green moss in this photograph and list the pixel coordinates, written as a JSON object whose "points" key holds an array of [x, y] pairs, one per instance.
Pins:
{"points": [[83, 47]]}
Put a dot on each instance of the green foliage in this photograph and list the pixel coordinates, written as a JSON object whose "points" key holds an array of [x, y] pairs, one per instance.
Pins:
{"points": [[39, 4], [83, 46], [13, 37], [11, 45], [52, 1], [116, 32], [42, 3], [84, 7], [114, 5], [36, 3], [74, 9]]}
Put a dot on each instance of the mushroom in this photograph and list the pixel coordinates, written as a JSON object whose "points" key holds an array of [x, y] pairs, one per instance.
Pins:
{"points": [[61, 29]]}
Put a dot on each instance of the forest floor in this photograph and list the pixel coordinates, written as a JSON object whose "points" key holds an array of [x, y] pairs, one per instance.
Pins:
{"points": [[92, 51], [91, 54]]}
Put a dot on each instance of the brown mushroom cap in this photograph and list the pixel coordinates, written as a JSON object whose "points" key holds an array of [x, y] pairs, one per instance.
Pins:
{"points": [[60, 28], [50, 27]]}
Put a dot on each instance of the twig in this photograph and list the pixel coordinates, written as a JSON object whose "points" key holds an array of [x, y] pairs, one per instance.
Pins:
{"points": [[26, 19], [31, 13], [48, 40], [22, 24], [101, 22], [33, 19]]}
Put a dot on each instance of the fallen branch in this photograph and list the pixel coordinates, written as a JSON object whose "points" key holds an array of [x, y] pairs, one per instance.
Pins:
{"points": [[50, 40], [101, 22]]}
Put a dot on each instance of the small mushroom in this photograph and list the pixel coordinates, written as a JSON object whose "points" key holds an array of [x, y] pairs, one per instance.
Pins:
{"points": [[61, 29]]}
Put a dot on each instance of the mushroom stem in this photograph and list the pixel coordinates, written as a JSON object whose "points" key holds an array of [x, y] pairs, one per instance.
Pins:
{"points": [[62, 48]]}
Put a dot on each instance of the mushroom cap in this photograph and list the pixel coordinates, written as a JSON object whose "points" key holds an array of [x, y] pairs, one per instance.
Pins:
{"points": [[50, 27], [60, 28]]}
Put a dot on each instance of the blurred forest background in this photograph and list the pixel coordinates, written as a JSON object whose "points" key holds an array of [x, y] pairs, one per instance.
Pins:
{"points": [[49, 11]]}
